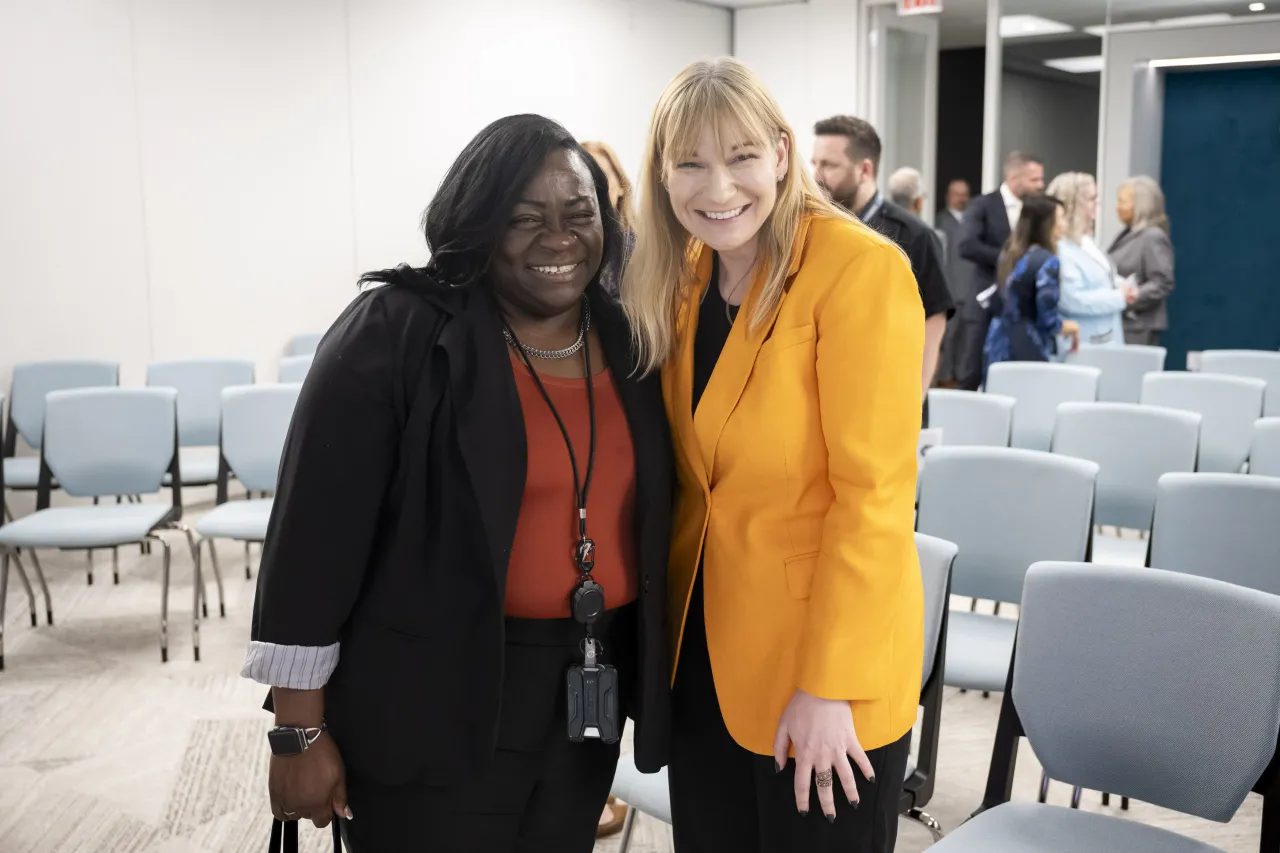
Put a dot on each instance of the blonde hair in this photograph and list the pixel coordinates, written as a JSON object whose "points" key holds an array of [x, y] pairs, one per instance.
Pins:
{"points": [[604, 154], [1070, 189], [660, 272], [1148, 203]]}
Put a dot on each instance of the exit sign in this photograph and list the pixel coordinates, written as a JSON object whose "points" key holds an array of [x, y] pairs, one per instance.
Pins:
{"points": [[919, 7]]}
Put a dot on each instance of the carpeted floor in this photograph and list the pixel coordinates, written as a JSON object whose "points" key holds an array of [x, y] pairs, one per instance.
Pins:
{"points": [[103, 749]]}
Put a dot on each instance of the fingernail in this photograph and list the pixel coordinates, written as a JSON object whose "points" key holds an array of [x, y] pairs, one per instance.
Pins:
{"points": [[348, 814], [853, 803], [777, 768], [804, 813], [830, 818], [871, 778]]}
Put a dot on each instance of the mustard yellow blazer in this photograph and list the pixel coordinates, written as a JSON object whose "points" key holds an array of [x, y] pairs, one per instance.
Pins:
{"points": [[797, 486]]}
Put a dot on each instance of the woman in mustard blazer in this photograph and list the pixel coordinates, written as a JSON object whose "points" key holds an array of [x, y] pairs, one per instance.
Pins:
{"points": [[790, 341]]}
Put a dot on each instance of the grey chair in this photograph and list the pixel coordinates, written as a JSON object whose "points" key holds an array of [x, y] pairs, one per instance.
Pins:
{"points": [[199, 383], [968, 418], [649, 793], [1005, 509], [1039, 388], [31, 382], [1258, 364], [1099, 689], [294, 368], [1228, 405], [305, 343], [98, 442], [1122, 369], [1264, 450]]}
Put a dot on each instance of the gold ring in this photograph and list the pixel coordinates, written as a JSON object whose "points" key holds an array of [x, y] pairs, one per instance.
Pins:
{"points": [[824, 779]]}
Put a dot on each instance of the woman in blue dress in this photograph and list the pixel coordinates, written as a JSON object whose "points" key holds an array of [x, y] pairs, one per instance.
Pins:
{"points": [[1025, 321]]}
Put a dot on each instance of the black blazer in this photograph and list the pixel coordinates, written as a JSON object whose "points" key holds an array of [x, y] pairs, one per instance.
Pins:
{"points": [[986, 228], [394, 520]]}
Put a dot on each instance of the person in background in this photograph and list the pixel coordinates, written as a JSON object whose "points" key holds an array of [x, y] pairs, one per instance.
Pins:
{"points": [[949, 223], [1143, 252], [1090, 293], [789, 336], [906, 190], [620, 194], [846, 160], [989, 220], [1025, 322], [415, 611]]}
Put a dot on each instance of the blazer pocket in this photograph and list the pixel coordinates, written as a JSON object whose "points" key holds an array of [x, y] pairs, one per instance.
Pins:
{"points": [[786, 338], [800, 574]]}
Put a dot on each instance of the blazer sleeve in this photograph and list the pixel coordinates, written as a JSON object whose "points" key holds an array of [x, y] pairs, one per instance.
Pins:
{"points": [[339, 459], [974, 245], [1076, 300], [1157, 271], [870, 346]]}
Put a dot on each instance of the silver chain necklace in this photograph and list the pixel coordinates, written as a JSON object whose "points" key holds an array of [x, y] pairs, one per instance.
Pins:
{"points": [[552, 354]]}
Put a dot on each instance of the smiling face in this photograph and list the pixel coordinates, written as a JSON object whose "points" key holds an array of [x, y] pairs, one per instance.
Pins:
{"points": [[725, 189], [554, 240]]}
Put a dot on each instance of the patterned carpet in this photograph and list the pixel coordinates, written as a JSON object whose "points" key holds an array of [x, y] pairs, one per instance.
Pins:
{"points": [[103, 749]]}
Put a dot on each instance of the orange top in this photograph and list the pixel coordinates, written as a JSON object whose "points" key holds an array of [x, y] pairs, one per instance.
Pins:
{"points": [[542, 572]]}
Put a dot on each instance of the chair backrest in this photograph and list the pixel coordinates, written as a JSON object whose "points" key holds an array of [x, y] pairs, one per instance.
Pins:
{"points": [[34, 380], [936, 557], [255, 422], [199, 383], [969, 419], [110, 441], [1005, 509], [1224, 526], [1228, 406], [305, 344], [1264, 452], [1039, 389], [1133, 445], [293, 368], [1122, 369], [1126, 677], [1258, 364]]}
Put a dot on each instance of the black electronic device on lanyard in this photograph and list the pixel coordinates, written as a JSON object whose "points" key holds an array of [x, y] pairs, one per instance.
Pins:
{"points": [[592, 686]]}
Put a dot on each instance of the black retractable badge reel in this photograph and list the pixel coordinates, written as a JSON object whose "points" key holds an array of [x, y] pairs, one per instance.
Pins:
{"points": [[592, 686]]}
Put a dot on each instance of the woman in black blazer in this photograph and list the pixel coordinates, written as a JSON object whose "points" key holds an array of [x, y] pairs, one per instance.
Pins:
{"points": [[413, 615]]}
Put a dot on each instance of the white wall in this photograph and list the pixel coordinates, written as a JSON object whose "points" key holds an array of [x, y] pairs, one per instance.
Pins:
{"points": [[1055, 119], [1132, 103], [208, 177]]}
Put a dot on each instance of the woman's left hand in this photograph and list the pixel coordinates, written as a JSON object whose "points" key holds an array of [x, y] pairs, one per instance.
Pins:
{"points": [[822, 731]]}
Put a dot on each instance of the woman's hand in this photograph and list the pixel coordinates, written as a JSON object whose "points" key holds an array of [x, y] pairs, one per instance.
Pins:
{"points": [[822, 731], [1071, 329], [311, 786]]}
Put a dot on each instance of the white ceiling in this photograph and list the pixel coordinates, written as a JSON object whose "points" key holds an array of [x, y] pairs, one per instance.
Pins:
{"points": [[745, 4]]}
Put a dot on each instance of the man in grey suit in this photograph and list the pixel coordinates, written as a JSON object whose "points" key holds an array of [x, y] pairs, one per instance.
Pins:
{"points": [[960, 272]]}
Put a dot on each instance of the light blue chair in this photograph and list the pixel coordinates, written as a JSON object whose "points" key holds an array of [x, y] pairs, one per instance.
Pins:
{"points": [[99, 442], [305, 343], [31, 382], [294, 368], [1228, 406], [1005, 509], [255, 423], [1257, 364], [1264, 451], [969, 419], [1122, 369], [1101, 691], [199, 383], [1039, 388]]}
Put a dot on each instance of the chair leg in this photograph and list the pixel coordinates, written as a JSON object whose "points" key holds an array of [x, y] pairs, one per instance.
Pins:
{"points": [[26, 583], [88, 565], [217, 575], [1075, 797], [198, 601], [1124, 804], [199, 573], [248, 572], [628, 827], [115, 566], [996, 610], [44, 586], [1044, 786], [1106, 798], [4, 595], [927, 821], [164, 602]]}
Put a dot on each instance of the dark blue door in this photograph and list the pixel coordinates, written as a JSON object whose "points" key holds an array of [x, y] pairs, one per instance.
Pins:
{"points": [[1221, 177]]}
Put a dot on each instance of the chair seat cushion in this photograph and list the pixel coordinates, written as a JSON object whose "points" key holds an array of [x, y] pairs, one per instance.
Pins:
{"points": [[198, 466], [22, 472], [1034, 828], [645, 792], [245, 520], [84, 526], [979, 649]]}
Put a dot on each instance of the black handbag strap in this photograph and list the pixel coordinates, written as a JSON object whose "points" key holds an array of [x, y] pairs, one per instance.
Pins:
{"points": [[284, 836]]}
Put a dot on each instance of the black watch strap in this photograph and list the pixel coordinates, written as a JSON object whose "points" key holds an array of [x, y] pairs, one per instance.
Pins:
{"points": [[293, 740]]}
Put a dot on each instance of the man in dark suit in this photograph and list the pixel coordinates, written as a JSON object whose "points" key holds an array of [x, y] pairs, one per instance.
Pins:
{"points": [[959, 271], [988, 223]]}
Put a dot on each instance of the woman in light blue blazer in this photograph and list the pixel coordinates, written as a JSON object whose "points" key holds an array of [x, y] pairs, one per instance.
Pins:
{"points": [[1089, 292]]}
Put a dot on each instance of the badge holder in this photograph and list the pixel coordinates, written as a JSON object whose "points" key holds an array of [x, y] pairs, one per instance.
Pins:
{"points": [[592, 686]]}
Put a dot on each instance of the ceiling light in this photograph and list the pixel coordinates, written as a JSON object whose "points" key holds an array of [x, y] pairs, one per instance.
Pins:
{"points": [[1076, 64], [1194, 20], [1239, 58], [1098, 31], [1021, 26], [1257, 7]]}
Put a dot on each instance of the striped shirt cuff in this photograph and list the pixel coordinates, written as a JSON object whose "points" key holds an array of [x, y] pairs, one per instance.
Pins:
{"points": [[292, 667]]}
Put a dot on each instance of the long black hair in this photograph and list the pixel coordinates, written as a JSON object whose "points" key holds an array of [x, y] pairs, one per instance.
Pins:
{"points": [[465, 222], [1035, 228]]}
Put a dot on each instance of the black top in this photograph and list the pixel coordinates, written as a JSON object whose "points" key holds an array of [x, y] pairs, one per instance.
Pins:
{"points": [[923, 250], [399, 492], [985, 231], [714, 326]]}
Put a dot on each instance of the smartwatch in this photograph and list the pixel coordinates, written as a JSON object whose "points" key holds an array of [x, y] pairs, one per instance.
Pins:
{"points": [[292, 740]]}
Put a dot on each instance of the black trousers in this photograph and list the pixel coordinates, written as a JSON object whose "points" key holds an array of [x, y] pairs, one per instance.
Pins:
{"points": [[541, 793], [725, 798], [970, 339]]}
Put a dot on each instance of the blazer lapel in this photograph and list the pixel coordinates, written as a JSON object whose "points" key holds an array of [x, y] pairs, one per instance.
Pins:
{"points": [[490, 423]]}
